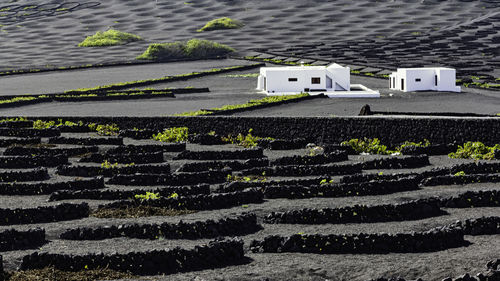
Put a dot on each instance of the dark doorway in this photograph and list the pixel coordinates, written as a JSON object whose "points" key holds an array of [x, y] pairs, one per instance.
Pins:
{"points": [[402, 84]]}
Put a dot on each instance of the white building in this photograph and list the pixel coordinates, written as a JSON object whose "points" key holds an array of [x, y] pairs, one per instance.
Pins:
{"points": [[333, 80], [304, 79], [424, 79]]}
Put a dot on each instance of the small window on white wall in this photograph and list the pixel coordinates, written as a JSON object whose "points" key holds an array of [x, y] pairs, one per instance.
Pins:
{"points": [[315, 80], [418, 80], [292, 79]]}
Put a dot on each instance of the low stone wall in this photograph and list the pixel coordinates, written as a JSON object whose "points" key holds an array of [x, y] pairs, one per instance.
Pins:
{"points": [[336, 156], [148, 148], [11, 240], [212, 201], [39, 188], [19, 141], [86, 141], [390, 130], [458, 180], [61, 212], [305, 170], [93, 171], [400, 162], [20, 162], [29, 132], [37, 174], [74, 151], [230, 226], [412, 210], [127, 194], [137, 158], [170, 179], [339, 190], [157, 262], [234, 165], [220, 154], [480, 226], [415, 242]]}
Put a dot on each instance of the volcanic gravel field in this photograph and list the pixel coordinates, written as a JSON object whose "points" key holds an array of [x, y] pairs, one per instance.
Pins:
{"points": [[294, 205]]}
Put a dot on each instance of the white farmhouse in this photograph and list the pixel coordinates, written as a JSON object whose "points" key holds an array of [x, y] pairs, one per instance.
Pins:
{"points": [[296, 79], [424, 79]]}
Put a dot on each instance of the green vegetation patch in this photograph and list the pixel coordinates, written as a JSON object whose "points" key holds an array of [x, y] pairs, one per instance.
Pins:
{"points": [[365, 145], [248, 75], [136, 83], [424, 143], [192, 49], [249, 104], [246, 141], [221, 23], [41, 124], [110, 37], [175, 134], [475, 150]]}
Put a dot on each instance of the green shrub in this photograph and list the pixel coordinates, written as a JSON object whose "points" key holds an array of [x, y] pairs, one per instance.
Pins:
{"points": [[365, 145], [148, 196], [247, 141], [192, 49], [176, 134], [459, 174], [425, 143], [249, 178], [40, 124], [110, 37], [475, 150], [108, 165], [221, 23], [16, 119], [107, 130]]}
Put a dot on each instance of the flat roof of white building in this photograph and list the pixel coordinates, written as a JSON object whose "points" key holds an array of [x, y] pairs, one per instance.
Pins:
{"points": [[302, 67]]}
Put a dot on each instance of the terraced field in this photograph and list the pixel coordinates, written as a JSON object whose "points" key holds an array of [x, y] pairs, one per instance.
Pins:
{"points": [[211, 210]]}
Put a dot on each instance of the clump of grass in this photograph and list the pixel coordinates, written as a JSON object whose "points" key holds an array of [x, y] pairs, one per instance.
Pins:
{"points": [[475, 150], [110, 37], [371, 146], [138, 212], [221, 23], [51, 273], [459, 174], [176, 134], [192, 49]]}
